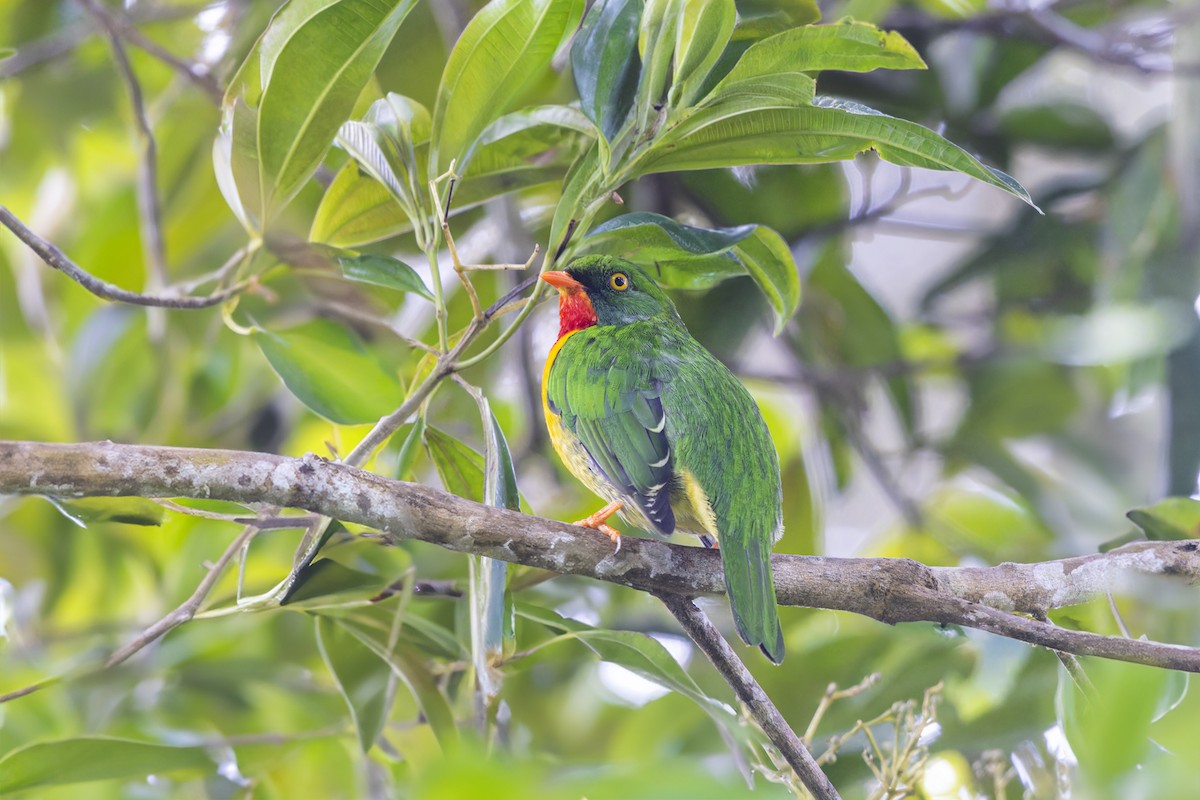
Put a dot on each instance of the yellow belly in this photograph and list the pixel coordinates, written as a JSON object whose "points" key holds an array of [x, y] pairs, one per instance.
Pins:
{"points": [[568, 446]]}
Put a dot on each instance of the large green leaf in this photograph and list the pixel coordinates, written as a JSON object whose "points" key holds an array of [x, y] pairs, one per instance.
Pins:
{"points": [[829, 130], [504, 49], [605, 63], [361, 676], [327, 368], [296, 88], [96, 758], [688, 257]]}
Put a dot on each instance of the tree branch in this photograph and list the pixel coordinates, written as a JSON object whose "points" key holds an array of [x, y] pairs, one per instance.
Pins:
{"points": [[706, 637], [53, 257], [889, 590]]}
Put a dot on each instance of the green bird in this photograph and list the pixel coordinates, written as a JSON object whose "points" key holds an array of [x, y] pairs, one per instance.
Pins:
{"points": [[649, 420]]}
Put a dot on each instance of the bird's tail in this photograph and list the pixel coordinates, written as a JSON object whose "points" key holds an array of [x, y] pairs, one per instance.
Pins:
{"points": [[752, 594]]}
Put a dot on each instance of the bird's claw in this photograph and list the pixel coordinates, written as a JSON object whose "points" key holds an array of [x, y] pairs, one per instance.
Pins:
{"points": [[599, 522]]}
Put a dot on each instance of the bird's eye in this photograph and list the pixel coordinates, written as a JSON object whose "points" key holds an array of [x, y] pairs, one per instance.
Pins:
{"points": [[619, 281]]}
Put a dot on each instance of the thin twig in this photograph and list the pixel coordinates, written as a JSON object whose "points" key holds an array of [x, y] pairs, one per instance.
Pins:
{"points": [[196, 73], [149, 207], [53, 257], [708, 639], [188, 608]]}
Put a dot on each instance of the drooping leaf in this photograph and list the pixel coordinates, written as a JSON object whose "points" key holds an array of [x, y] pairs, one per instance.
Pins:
{"points": [[648, 658], [689, 257], [361, 678], [385, 271], [327, 368], [605, 63], [415, 674], [829, 130], [94, 758], [1169, 518], [504, 49]]}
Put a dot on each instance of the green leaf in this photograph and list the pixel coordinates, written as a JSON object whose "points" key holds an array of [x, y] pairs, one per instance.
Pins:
{"points": [[646, 657], [293, 92], [361, 678], [459, 467], [385, 271], [703, 30], [391, 145], [1169, 518], [127, 510], [503, 51], [656, 46], [420, 682], [327, 368], [605, 64], [327, 578], [501, 476], [689, 257], [7, 52], [357, 210], [830, 130], [776, 69], [86, 759], [407, 453]]}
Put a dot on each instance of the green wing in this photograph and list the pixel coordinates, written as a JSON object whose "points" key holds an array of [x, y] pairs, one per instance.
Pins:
{"points": [[604, 387], [720, 437]]}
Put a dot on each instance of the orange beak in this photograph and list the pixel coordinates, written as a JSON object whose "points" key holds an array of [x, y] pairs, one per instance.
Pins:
{"points": [[563, 282]]}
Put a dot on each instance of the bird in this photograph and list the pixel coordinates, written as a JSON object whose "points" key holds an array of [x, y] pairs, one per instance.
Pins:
{"points": [[648, 419]]}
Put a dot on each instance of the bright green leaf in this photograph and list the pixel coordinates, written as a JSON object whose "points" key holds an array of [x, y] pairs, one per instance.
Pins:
{"points": [[327, 368], [85, 759], [357, 210], [1169, 518], [703, 29], [504, 49], [391, 273], [293, 92]]}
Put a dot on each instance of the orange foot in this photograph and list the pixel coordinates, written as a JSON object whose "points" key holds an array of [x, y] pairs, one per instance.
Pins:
{"points": [[599, 522]]}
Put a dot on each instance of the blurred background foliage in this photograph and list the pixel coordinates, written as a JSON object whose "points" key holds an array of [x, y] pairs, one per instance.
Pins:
{"points": [[966, 382]]}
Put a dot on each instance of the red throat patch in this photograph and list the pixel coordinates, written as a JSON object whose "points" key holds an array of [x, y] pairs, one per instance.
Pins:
{"points": [[575, 312]]}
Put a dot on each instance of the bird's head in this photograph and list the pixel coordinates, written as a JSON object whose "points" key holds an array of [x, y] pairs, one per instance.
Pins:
{"points": [[605, 290]]}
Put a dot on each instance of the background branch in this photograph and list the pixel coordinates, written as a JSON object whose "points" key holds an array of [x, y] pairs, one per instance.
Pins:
{"points": [[889, 590], [765, 713], [53, 257]]}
